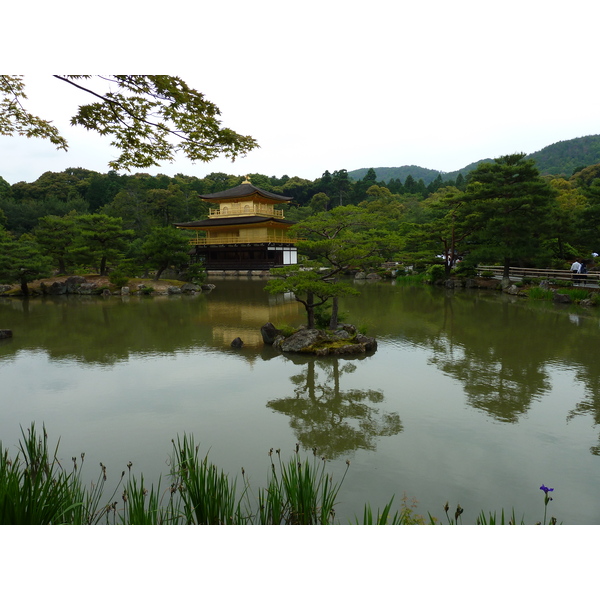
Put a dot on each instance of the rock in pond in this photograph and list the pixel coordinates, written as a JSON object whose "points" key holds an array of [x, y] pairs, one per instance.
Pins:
{"points": [[269, 333], [326, 343]]}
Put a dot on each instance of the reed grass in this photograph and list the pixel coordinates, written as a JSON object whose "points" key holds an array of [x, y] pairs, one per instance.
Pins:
{"points": [[538, 293], [146, 507], [404, 516], [208, 496], [298, 492], [576, 294], [492, 519], [36, 489]]}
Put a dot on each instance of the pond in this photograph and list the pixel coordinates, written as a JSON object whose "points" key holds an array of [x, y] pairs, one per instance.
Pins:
{"points": [[472, 397]]}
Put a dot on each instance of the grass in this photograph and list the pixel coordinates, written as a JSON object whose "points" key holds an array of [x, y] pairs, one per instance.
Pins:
{"points": [[298, 492], [576, 294], [208, 496], [411, 279], [405, 516], [538, 293], [286, 330], [35, 489]]}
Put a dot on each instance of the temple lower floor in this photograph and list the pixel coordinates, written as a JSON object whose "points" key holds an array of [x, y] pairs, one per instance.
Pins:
{"points": [[246, 256]]}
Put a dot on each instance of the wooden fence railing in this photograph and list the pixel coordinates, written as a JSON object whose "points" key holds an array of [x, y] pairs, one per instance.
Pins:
{"points": [[556, 274]]}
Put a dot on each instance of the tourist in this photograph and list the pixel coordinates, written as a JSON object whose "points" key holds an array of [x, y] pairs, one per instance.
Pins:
{"points": [[583, 272], [575, 270]]}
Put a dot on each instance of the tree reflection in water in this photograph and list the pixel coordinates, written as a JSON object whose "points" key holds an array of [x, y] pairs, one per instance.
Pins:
{"points": [[499, 383], [333, 420]]}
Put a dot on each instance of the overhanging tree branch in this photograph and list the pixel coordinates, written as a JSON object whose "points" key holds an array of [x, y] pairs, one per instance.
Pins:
{"points": [[150, 118]]}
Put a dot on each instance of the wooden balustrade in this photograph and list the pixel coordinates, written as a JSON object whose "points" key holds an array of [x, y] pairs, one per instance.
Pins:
{"points": [[234, 239], [255, 210]]}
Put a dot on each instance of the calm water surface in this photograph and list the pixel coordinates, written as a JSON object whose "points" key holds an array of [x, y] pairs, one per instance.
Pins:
{"points": [[472, 397]]}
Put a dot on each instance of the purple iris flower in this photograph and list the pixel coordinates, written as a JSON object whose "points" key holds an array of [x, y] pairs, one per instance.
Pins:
{"points": [[546, 489]]}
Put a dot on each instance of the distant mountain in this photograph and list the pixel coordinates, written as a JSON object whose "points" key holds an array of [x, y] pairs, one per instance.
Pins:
{"points": [[561, 158], [401, 173]]}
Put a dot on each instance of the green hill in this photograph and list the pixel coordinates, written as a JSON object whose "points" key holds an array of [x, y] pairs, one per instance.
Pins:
{"points": [[401, 173], [561, 158]]}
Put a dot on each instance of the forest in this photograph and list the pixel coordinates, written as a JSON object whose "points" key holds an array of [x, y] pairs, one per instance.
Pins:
{"points": [[539, 210], [502, 212]]}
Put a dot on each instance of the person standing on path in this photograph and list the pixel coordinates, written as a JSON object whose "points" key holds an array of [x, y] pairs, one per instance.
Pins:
{"points": [[583, 272], [575, 270]]}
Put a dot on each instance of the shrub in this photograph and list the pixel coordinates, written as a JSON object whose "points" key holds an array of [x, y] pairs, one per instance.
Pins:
{"points": [[435, 273], [465, 270], [286, 330], [195, 273], [487, 274], [118, 278], [323, 316], [363, 328], [531, 280]]}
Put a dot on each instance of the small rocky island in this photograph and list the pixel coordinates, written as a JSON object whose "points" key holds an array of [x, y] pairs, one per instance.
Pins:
{"points": [[344, 340]]}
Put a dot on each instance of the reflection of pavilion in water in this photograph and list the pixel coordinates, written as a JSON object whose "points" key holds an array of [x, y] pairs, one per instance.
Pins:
{"points": [[232, 319]]}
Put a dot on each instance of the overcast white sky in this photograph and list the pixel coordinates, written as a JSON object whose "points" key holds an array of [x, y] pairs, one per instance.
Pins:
{"points": [[325, 85]]}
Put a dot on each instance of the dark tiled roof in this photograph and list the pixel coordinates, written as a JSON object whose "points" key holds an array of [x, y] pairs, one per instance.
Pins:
{"points": [[233, 221], [242, 190]]}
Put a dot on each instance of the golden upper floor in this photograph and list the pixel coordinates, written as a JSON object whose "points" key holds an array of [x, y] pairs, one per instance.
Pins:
{"points": [[237, 209]]}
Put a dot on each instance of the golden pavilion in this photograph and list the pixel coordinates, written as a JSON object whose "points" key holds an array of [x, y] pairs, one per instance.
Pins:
{"points": [[246, 231]]}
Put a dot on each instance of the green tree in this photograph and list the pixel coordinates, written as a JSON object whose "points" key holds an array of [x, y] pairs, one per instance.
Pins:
{"points": [[57, 235], [309, 285], [165, 247], [589, 219], [333, 241], [51, 194], [22, 260], [410, 185], [359, 188], [132, 205], [370, 177], [149, 118], [341, 185], [102, 238], [5, 189], [450, 223], [511, 200], [166, 204], [319, 202], [566, 214], [381, 201]]}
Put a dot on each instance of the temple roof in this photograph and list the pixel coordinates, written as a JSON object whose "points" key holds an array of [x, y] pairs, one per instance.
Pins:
{"points": [[232, 221], [243, 190]]}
